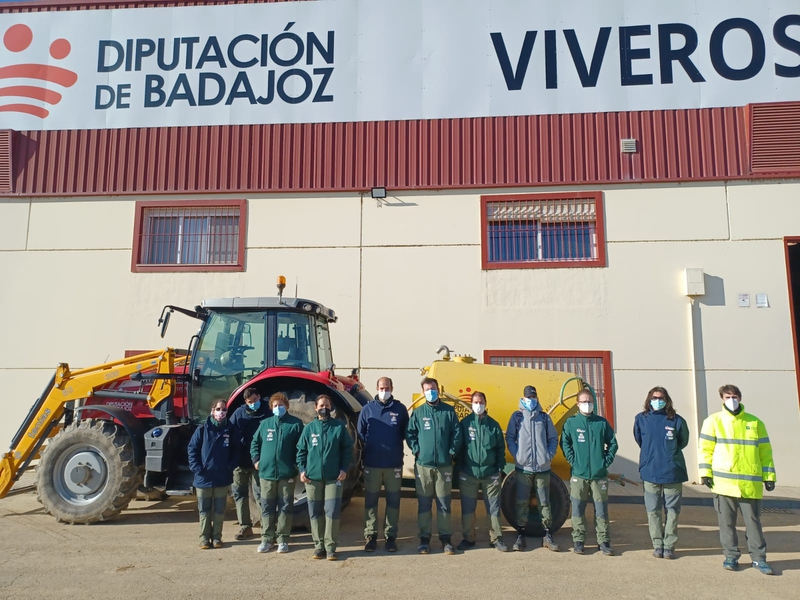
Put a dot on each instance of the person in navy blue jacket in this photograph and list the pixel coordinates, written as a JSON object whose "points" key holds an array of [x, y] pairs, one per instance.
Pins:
{"points": [[213, 455], [382, 431], [662, 434], [246, 420]]}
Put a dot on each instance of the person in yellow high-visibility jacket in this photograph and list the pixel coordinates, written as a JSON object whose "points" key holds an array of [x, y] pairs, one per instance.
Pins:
{"points": [[735, 461]]}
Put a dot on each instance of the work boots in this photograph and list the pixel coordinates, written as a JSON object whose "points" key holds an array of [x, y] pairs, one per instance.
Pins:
{"points": [[520, 544], [371, 545], [548, 541]]}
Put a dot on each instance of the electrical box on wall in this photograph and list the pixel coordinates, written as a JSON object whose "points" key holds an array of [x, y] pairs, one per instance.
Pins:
{"points": [[694, 282]]}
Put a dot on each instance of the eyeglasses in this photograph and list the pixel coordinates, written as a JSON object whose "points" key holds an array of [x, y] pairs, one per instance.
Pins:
{"points": [[657, 398], [221, 410]]}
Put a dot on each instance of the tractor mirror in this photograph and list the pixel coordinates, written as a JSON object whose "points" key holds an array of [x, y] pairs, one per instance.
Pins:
{"points": [[164, 322]]}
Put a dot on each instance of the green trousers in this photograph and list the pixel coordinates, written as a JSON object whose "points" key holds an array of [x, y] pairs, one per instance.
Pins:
{"points": [[434, 482], [657, 498], [541, 483], [324, 509], [579, 491], [211, 506], [391, 480], [468, 486], [727, 509], [277, 506], [243, 481]]}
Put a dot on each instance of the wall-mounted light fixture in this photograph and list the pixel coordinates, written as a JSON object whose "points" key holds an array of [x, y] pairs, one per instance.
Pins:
{"points": [[378, 193]]}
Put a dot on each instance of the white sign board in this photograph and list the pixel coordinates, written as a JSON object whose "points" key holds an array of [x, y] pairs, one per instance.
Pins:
{"points": [[379, 60]]}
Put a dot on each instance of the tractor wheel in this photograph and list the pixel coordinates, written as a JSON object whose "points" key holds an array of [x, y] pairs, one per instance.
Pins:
{"points": [[86, 473], [559, 505]]}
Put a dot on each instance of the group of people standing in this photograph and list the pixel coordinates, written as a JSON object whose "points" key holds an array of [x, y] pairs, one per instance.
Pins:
{"points": [[271, 448]]}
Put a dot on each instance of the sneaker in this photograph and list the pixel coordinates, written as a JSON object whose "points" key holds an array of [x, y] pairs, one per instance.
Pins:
{"points": [[465, 544], [332, 556], [577, 548], [283, 548], [658, 552], [264, 547], [424, 546], [763, 567], [605, 548], [447, 548], [217, 543], [549, 543], [730, 564], [371, 545], [669, 553], [500, 546], [391, 544], [520, 544], [205, 544], [318, 554], [245, 531]]}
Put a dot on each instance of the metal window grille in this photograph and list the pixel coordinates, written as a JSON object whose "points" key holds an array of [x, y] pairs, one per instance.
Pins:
{"points": [[190, 236], [590, 370], [542, 230]]}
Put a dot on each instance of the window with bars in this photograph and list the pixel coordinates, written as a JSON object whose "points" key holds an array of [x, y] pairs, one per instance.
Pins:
{"points": [[593, 367], [180, 236], [542, 230]]}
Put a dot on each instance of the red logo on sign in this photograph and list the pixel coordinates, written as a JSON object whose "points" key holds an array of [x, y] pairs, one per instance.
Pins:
{"points": [[16, 39]]}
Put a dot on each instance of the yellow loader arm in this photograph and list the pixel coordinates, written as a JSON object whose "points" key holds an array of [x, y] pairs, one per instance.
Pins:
{"points": [[67, 386]]}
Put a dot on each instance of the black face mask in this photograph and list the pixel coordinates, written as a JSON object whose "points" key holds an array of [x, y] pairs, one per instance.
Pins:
{"points": [[324, 412]]}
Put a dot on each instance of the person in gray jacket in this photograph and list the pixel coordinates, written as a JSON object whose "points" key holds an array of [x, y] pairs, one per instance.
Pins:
{"points": [[533, 442]]}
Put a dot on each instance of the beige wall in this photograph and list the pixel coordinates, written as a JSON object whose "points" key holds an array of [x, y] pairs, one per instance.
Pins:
{"points": [[405, 276]]}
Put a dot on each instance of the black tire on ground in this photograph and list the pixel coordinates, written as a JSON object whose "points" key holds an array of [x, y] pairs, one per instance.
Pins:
{"points": [[87, 474], [559, 505]]}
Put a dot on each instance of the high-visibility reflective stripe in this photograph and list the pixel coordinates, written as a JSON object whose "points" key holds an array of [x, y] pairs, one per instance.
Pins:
{"points": [[763, 440], [736, 476], [766, 469], [737, 442], [710, 438], [705, 466]]}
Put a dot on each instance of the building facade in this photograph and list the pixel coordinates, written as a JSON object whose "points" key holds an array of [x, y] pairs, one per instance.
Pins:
{"points": [[617, 197]]}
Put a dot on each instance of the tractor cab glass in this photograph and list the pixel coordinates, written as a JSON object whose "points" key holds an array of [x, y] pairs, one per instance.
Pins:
{"points": [[302, 342], [231, 351]]}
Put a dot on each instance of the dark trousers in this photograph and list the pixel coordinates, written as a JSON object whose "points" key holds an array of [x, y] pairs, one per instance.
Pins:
{"points": [[727, 509]]}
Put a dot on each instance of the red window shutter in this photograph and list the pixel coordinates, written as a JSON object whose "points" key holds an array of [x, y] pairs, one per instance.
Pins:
{"points": [[6, 182], [775, 137]]}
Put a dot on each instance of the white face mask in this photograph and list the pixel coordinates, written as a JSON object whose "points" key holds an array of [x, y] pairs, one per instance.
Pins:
{"points": [[478, 408], [586, 408], [732, 404], [383, 396]]}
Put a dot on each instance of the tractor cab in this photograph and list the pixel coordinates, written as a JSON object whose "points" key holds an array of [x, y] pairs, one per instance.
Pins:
{"points": [[242, 337]]}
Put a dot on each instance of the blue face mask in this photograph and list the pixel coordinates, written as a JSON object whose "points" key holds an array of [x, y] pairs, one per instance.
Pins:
{"points": [[254, 407], [658, 404], [527, 403], [280, 410], [431, 395]]}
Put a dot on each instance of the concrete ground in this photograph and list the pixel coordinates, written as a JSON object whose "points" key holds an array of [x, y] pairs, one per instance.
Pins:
{"points": [[151, 551]]}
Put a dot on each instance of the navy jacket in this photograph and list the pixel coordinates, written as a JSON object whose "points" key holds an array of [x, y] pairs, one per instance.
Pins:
{"points": [[662, 441], [246, 422], [382, 431], [214, 454]]}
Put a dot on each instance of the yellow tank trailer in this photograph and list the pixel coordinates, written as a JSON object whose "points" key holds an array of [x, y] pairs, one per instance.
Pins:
{"points": [[503, 387]]}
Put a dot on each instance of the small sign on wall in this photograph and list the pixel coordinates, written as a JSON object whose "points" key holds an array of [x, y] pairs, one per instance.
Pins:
{"points": [[762, 301], [744, 300]]}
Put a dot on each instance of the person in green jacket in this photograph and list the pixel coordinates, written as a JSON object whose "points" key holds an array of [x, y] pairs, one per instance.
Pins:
{"points": [[434, 437], [589, 445], [274, 454], [324, 455], [482, 458]]}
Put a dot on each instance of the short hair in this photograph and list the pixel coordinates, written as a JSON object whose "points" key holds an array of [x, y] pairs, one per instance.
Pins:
{"points": [[429, 381], [585, 392], [250, 392], [389, 379], [478, 393], [322, 397], [730, 389], [278, 397]]}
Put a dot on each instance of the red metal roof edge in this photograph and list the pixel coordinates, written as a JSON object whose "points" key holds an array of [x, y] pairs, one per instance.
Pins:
{"points": [[55, 5]]}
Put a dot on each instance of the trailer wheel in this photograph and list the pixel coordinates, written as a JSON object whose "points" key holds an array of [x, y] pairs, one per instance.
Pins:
{"points": [[559, 505], [86, 473]]}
